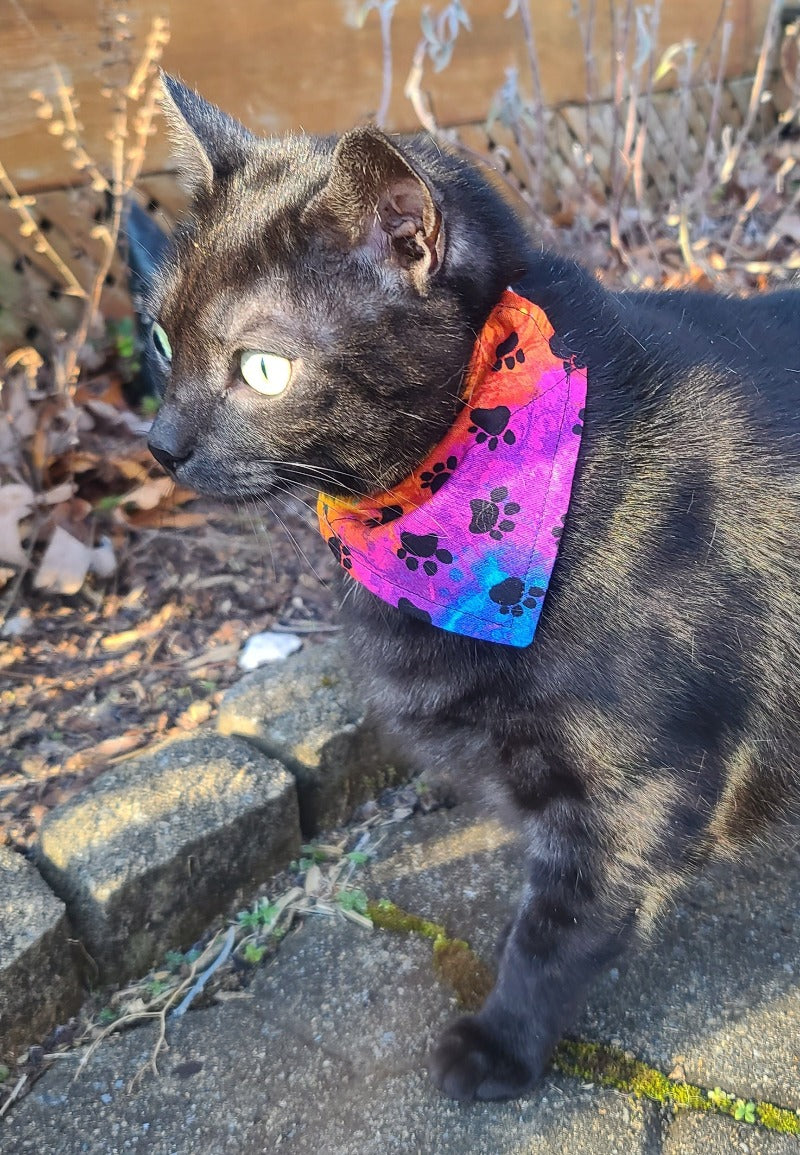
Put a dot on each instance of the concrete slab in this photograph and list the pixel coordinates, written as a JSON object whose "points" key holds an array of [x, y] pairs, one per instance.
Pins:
{"points": [[304, 712], [38, 982], [155, 848], [328, 1054], [718, 989], [693, 1134], [327, 1057]]}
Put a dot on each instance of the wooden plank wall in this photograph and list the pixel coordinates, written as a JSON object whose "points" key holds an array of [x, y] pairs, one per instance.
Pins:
{"points": [[306, 64]]}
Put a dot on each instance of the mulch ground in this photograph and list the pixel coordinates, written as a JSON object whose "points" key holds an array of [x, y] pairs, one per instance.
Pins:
{"points": [[95, 676]]}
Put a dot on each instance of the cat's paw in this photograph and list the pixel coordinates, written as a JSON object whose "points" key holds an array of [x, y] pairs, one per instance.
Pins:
{"points": [[470, 1062]]}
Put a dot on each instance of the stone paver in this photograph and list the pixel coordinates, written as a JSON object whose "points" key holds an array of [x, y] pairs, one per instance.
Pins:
{"points": [[303, 711], [717, 989], [326, 1058], [148, 854], [694, 1134], [38, 981], [327, 1054]]}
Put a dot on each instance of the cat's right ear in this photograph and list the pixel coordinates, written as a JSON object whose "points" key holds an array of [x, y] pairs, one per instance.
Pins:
{"points": [[377, 201], [207, 145]]}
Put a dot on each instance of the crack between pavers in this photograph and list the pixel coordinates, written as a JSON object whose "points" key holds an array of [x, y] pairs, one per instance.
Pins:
{"points": [[457, 964]]}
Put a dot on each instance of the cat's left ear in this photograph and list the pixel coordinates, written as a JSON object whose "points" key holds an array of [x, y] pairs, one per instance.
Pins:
{"points": [[207, 144], [376, 199]]}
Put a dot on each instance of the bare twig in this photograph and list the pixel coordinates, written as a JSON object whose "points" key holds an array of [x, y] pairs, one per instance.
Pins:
{"points": [[768, 44], [413, 91], [30, 228]]}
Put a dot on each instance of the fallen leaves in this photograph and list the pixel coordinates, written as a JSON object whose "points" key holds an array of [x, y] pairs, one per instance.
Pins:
{"points": [[16, 502], [67, 561], [103, 752], [146, 629]]}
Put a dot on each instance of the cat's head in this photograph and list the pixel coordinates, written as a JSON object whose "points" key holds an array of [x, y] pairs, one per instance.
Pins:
{"points": [[318, 307]]}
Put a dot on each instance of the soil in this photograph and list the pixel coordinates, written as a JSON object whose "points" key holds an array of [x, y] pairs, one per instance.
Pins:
{"points": [[148, 654]]}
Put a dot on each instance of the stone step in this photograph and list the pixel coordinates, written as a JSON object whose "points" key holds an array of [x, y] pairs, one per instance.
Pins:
{"points": [[148, 854], [304, 712], [38, 981]]}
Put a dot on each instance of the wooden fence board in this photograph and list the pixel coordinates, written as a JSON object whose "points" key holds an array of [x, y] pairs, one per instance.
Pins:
{"points": [[306, 65]]}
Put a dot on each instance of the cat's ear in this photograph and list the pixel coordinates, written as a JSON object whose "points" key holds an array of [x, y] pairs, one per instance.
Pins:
{"points": [[376, 199], [206, 144]]}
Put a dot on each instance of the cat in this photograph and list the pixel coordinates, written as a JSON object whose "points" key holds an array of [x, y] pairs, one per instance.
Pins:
{"points": [[315, 321]]}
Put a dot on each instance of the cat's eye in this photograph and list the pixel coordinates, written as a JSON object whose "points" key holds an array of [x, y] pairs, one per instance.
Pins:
{"points": [[161, 342], [267, 373]]}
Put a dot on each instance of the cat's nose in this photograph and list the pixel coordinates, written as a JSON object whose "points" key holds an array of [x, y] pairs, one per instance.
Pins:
{"points": [[167, 458]]}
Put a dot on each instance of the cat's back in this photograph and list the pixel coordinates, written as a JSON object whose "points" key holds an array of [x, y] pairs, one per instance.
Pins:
{"points": [[756, 339]]}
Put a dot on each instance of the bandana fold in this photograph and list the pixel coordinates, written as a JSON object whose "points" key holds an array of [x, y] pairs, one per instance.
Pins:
{"points": [[469, 540]]}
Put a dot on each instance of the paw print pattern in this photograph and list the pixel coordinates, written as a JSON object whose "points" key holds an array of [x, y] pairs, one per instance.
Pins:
{"points": [[560, 348], [577, 428], [489, 424], [508, 353], [512, 598], [341, 552], [416, 548], [387, 513], [486, 515], [434, 478], [412, 611], [557, 530]]}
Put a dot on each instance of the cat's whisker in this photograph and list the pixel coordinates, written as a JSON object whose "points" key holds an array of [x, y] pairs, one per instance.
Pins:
{"points": [[300, 552], [260, 533]]}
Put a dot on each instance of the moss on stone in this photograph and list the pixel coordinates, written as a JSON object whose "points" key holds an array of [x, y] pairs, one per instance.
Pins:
{"points": [[778, 1118], [595, 1063], [469, 977], [456, 962], [387, 916]]}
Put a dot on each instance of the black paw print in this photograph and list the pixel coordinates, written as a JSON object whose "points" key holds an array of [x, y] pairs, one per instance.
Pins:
{"points": [[412, 611], [510, 595], [433, 479], [489, 424], [557, 530], [505, 354], [423, 547], [387, 513], [560, 348], [577, 428], [486, 514], [341, 552]]}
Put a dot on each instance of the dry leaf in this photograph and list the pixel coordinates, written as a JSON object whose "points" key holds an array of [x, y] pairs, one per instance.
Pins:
{"points": [[163, 519], [60, 493], [313, 880], [118, 419], [65, 564], [213, 657], [105, 750], [16, 502], [145, 629], [194, 715], [787, 225], [151, 494]]}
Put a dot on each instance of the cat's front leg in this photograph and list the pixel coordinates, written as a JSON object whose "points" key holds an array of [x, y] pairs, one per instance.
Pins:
{"points": [[565, 930]]}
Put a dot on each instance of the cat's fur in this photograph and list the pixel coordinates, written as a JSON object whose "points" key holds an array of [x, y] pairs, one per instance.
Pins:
{"points": [[654, 721]]}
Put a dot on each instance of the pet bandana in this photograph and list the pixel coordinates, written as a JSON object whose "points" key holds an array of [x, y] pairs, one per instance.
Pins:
{"points": [[469, 540]]}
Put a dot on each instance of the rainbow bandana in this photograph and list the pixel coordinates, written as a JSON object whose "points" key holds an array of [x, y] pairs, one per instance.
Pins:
{"points": [[469, 540]]}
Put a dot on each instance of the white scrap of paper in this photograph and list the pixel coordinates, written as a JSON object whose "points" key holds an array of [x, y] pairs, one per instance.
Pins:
{"points": [[272, 646]]}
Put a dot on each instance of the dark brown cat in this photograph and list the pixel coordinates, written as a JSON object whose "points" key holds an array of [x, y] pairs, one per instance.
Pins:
{"points": [[653, 722]]}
